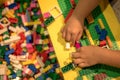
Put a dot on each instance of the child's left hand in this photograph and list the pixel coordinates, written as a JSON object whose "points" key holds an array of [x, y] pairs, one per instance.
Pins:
{"points": [[87, 56]]}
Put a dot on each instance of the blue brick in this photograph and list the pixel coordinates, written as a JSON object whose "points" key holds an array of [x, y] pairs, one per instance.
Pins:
{"points": [[9, 52], [29, 39], [12, 5], [7, 59], [97, 29], [32, 67], [103, 34]]}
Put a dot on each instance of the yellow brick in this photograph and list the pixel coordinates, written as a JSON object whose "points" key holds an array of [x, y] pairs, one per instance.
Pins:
{"points": [[1, 38], [52, 56], [57, 70], [4, 62], [101, 23], [89, 36], [45, 41], [8, 72], [32, 23], [27, 62], [47, 68]]}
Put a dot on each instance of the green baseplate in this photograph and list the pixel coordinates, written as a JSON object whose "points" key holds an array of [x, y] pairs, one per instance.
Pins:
{"points": [[90, 72]]}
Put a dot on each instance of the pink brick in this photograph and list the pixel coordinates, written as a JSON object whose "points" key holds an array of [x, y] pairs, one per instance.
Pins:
{"points": [[77, 45], [46, 15]]}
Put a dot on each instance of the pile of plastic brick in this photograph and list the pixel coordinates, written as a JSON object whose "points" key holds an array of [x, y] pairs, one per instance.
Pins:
{"points": [[26, 51]]}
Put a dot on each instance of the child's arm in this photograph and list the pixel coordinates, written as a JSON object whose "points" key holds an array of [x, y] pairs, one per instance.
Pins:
{"points": [[112, 58], [84, 7], [91, 55], [73, 29]]}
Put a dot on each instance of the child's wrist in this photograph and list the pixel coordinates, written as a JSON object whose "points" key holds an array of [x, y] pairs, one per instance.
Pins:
{"points": [[78, 18]]}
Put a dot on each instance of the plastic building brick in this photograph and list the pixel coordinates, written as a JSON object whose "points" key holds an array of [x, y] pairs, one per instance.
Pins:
{"points": [[67, 67], [46, 15], [89, 36], [13, 20], [100, 76], [102, 43], [9, 52], [65, 6], [49, 21], [101, 23], [109, 41], [90, 18], [51, 11], [12, 5], [3, 69], [77, 45], [5, 22], [97, 29], [103, 34], [1, 26], [3, 30], [67, 45]]}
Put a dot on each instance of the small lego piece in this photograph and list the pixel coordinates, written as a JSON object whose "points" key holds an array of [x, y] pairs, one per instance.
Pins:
{"points": [[5, 22], [67, 68], [40, 61], [90, 19], [32, 23], [3, 30], [97, 29], [103, 34], [11, 28], [67, 45], [18, 66], [46, 15], [55, 8], [3, 69], [100, 76], [102, 43], [13, 20], [109, 42], [101, 23], [1, 26], [11, 6], [49, 20], [6, 42], [37, 75], [47, 68], [106, 46], [77, 44], [89, 36]]}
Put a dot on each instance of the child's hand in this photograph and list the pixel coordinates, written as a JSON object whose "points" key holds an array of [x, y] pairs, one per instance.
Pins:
{"points": [[87, 56], [73, 29]]}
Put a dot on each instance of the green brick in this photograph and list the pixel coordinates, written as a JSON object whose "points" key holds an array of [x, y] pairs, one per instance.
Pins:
{"points": [[39, 47], [67, 68]]}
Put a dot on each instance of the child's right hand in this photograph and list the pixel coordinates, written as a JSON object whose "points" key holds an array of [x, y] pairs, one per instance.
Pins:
{"points": [[89, 55], [73, 29]]}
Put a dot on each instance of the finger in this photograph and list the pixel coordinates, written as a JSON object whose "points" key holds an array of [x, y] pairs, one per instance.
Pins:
{"points": [[75, 55], [78, 36], [68, 37], [73, 38], [78, 50], [78, 61], [62, 30], [64, 33], [82, 65]]}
